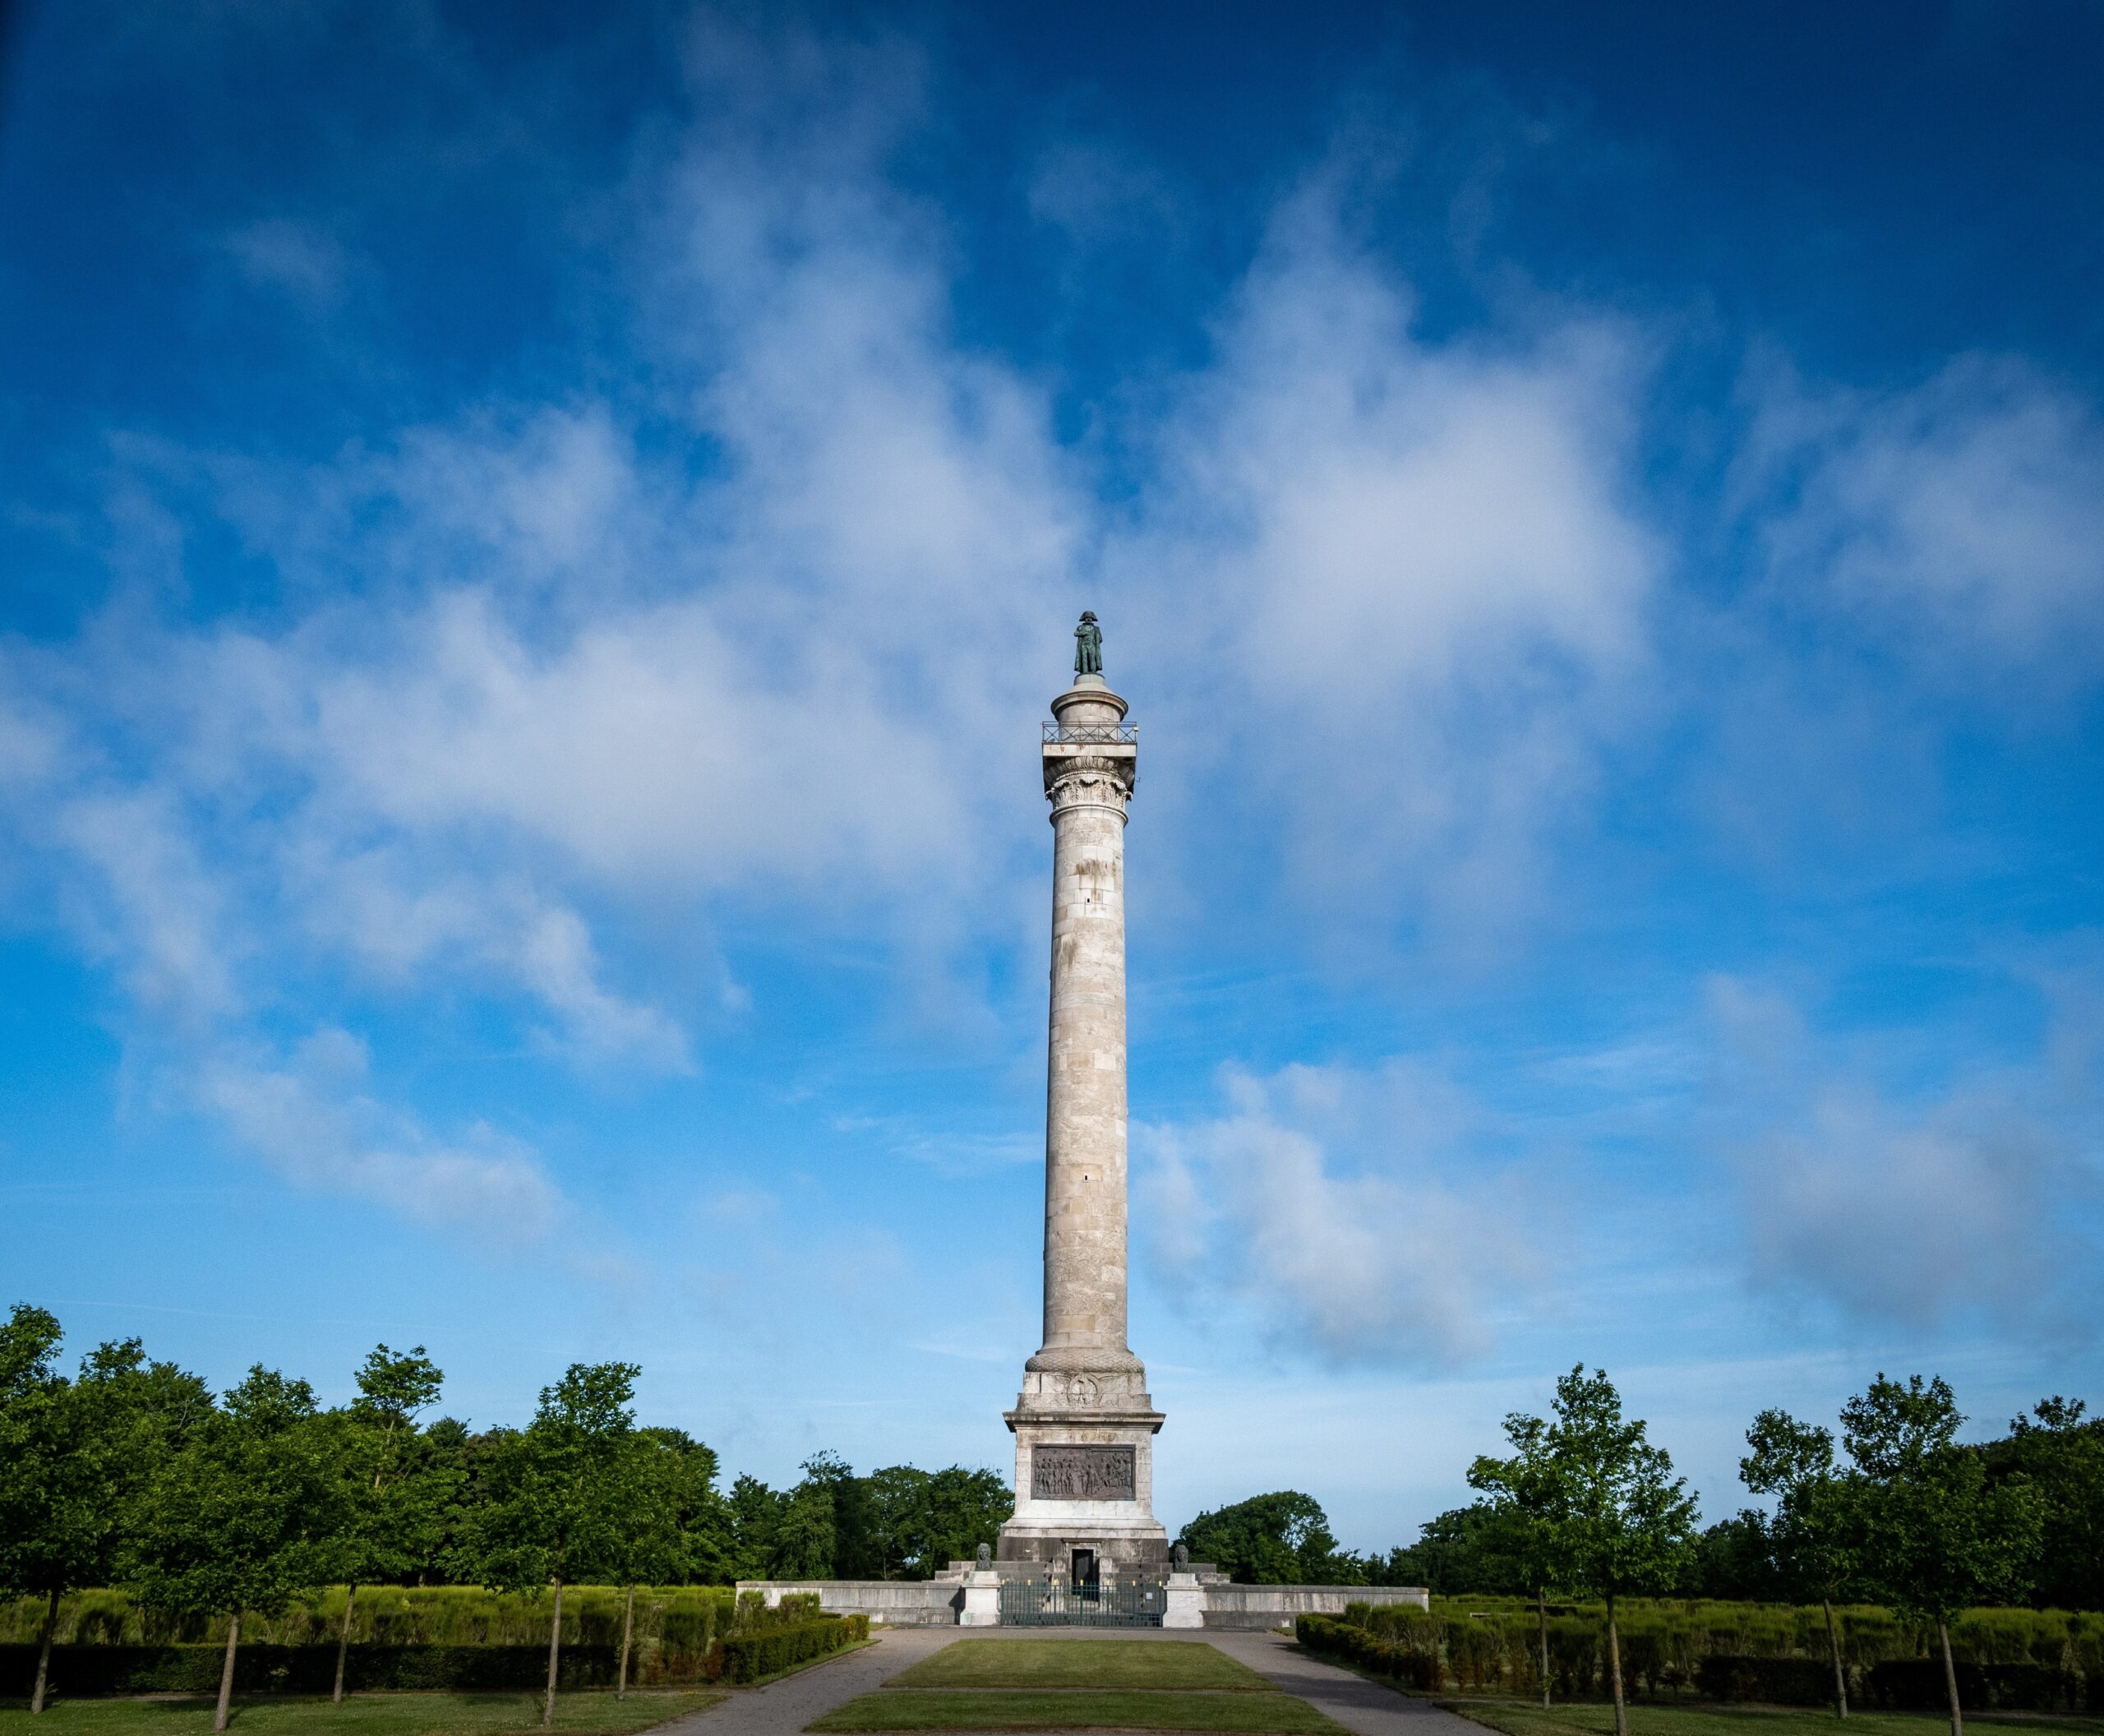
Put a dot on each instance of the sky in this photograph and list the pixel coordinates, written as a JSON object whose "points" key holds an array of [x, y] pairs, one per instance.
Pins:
{"points": [[534, 541]]}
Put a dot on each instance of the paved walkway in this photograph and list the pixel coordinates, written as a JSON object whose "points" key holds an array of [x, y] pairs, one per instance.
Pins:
{"points": [[1358, 1705], [783, 1708]]}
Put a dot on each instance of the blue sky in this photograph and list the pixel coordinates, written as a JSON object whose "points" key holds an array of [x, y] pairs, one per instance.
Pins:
{"points": [[534, 546]]}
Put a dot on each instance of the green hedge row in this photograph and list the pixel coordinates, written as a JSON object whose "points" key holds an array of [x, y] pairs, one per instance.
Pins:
{"points": [[1917, 1684], [746, 1657], [679, 1617], [1345, 1639], [86, 1672], [1410, 1654]]}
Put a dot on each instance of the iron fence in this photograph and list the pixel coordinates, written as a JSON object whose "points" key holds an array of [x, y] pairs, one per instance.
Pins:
{"points": [[1050, 1603]]}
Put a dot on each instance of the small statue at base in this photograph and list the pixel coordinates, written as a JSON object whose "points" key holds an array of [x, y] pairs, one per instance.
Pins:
{"points": [[985, 1556]]}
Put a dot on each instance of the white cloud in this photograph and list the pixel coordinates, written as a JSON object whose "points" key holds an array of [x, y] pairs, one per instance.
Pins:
{"points": [[1963, 518], [1322, 1203], [307, 1121], [1410, 573], [530, 669], [1983, 1201]]}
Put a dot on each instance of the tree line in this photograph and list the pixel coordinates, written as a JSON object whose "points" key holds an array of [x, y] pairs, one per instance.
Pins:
{"points": [[1896, 1510], [133, 1473]]}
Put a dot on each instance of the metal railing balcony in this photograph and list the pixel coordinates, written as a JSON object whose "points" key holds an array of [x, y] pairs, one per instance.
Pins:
{"points": [[1094, 735]]}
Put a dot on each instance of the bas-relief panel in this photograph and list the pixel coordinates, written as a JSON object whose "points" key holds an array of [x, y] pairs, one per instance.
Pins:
{"points": [[1083, 1474]]}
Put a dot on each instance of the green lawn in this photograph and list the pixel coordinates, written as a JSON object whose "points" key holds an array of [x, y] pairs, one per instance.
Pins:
{"points": [[1514, 1719], [1077, 1709], [1105, 1664], [360, 1715]]}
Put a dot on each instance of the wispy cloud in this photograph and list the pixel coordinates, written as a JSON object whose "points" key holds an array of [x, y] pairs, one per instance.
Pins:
{"points": [[1983, 1200], [1962, 520], [1323, 1204]]}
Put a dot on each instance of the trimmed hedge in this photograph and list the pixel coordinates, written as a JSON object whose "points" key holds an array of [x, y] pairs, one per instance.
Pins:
{"points": [[680, 1619], [1917, 1684], [746, 1657], [84, 1672], [1342, 1639], [1766, 1681]]}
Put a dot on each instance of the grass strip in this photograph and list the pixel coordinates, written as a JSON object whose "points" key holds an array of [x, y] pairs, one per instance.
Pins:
{"points": [[1513, 1717], [1105, 1664], [360, 1715], [914, 1709]]}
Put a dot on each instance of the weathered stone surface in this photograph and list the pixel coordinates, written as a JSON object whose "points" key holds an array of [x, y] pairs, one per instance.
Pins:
{"points": [[1084, 1407]]}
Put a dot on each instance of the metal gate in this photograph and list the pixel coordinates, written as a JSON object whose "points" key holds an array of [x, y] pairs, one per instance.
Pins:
{"points": [[1049, 1603]]}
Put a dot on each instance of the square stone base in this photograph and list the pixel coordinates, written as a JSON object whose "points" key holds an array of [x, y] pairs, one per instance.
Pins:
{"points": [[1085, 1480]]}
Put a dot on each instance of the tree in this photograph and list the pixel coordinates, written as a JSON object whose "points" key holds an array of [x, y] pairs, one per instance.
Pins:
{"points": [[2061, 1453], [755, 1514], [1940, 1538], [1281, 1539], [390, 1522], [550, 1492], [1813, 1534], [242, 1517], [1526, 1500], [922, 1521], [1465, 1548], [49, 1477], [664, 1521], [1618, 1520]]}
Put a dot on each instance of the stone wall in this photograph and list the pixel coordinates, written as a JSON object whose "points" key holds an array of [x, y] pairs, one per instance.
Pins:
{"points": [[937, 1603], [1275, 1606], [889, 1603]]}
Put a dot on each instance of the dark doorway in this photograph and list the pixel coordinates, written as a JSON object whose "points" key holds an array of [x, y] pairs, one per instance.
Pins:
{"points": [[1084, 1581]]}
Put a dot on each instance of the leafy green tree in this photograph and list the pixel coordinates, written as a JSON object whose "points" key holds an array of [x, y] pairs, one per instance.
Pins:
{"points": [[550, 1492], [242, 1517], [922, 1521], [806, 1535], [1939, 1537], [1465, 1548], [1527, 1502], [1282, 1539], [2061, 1452], [665, 1522], [1619, 1521], [50, 1478], [1814, 1534], [756, 1515], [1734, 1561], [390, 1521]]}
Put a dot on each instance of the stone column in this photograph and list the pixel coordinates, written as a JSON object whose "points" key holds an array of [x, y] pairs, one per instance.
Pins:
{"points": [[1084, 1422], [1089, 782]]}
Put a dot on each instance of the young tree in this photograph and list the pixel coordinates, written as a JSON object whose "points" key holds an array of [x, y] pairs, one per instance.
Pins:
{"points": [[1939, 1538], [242, 1517], [388, 1510], [664, 1521], [1815, 1525], [1620, 1521], [1526, 1500], [550, 1491]]}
